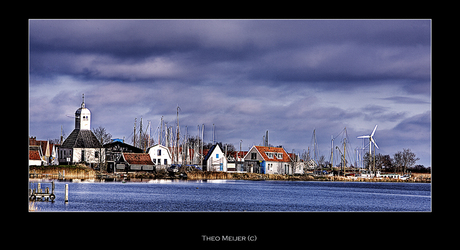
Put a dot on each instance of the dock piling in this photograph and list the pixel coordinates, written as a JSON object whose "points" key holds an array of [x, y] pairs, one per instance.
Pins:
{"points": [[66, 192]]}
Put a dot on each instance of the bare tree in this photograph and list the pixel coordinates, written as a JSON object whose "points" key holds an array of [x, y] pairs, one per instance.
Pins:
{"points": [[405, 159], [103, 137], [321, 161]]}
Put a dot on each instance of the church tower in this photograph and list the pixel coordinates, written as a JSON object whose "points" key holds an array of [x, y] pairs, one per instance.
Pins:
{"points": [[82, 146], [83, 117]]}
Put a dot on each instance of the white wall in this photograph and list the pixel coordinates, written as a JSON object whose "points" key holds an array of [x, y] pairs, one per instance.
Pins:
{"points": [[90, 155], [215, 159], [165, 154]]}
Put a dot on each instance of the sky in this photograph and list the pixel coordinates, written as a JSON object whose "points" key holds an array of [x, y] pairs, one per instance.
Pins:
{"points": [[245, 76]]}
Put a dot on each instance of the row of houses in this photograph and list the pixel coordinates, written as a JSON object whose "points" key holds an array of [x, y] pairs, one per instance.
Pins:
{"points": [[121, 157], [82, 146], [42, 152]]}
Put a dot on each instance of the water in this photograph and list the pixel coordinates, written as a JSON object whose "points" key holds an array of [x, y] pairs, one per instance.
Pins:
{"points": [[240, 195]]}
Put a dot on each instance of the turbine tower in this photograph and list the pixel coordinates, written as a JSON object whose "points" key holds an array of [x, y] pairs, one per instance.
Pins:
{"points": [[371, 140]]}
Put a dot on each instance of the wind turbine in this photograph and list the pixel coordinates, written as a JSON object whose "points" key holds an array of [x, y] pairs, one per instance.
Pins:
{"points": [[371, 140]]}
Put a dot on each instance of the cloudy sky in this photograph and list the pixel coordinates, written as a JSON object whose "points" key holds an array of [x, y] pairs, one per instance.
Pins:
{"points": [[244, 76]]}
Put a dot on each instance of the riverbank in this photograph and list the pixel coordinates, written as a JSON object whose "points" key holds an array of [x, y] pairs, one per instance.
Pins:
{"points": [[82, 172], [200, 175], [62, 172]]}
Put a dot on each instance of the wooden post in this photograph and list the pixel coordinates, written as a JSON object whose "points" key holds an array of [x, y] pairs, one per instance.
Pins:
{"points": [[66, 192]]}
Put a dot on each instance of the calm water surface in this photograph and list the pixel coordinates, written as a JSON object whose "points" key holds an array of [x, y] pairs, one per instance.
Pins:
{"points": [[240, 195]]}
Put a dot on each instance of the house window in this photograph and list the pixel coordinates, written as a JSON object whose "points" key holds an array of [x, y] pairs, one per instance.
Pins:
{"points": [[166, 161], [159, 152], [279, 156], [217, 156], [96, 154], [253, 156], [269, 154]]}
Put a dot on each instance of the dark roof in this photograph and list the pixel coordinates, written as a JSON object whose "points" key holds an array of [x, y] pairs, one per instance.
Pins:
{"points": [[81, 139], [121, 145]]}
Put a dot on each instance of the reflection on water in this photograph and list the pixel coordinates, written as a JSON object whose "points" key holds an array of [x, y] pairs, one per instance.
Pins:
{"points": [[224, 195]]}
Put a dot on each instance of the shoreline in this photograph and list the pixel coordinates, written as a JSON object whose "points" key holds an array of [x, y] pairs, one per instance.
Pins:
{"points": [[83, 173], [259, 177]]}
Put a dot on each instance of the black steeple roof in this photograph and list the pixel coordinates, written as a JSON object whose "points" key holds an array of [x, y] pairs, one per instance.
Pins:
{"points": [[81, 139]]}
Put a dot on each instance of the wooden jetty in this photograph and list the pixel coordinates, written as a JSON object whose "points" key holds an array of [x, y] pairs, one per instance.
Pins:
{"points": [[38, 194]]}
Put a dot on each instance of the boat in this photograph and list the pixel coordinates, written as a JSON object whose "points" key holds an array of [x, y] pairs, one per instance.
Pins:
{"points": [[405, 177], [369, 174]]}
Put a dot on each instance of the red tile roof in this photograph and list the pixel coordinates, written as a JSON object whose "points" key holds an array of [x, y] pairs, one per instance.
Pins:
{"points": [[34, 155], [264, 150], [138, 158]]}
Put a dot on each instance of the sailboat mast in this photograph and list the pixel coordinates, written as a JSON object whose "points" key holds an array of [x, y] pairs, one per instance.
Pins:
{"points": [[177, 137], [160, 132], [314, 145], [202, 142], [332, 151], [134, 134]]}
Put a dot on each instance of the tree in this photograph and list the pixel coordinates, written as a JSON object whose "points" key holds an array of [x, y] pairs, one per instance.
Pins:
{"points": [[405, 159], [103, 137], [383, 161], [321, 161]]}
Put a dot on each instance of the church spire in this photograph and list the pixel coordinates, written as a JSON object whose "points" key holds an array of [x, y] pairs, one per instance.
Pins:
{"points": [[83, 100]]}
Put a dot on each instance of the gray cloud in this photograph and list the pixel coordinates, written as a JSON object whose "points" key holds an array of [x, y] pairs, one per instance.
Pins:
{"points": [[245, 76]]}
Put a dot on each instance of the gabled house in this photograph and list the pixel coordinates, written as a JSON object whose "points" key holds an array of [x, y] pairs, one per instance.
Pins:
{"points": [[160, 156], [268, 160], [215, 159], [113, 153], [136, 162]]}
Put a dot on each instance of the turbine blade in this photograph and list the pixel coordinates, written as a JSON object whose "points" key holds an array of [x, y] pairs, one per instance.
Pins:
{"points": [[373, 132], [364, 136], [372, 139]]}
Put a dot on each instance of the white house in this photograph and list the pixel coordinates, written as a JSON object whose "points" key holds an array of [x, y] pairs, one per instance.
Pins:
{"points": [[268, 160], [81, 146], [160, 156], [215, 159]]}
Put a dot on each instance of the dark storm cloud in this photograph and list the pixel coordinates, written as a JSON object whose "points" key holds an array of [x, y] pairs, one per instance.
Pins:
{"points": [[245, 76], [287, 50]]}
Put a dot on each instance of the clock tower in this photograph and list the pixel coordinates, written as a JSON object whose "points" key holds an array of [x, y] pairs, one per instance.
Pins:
{"points": [[83, 117]]}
